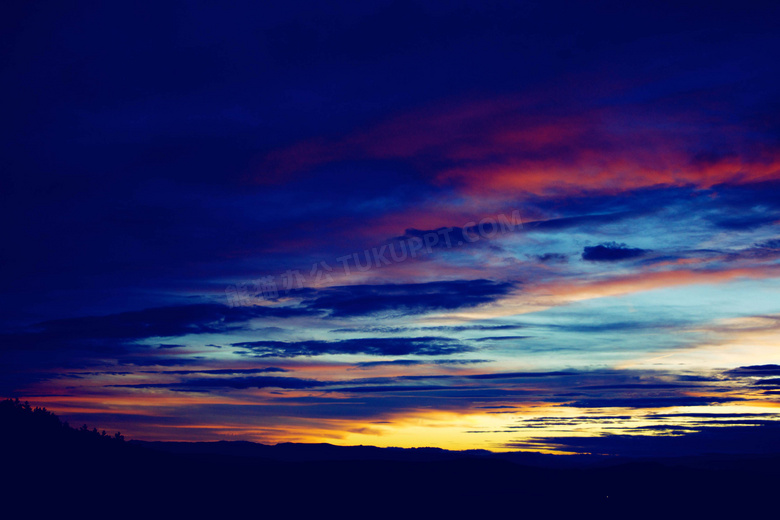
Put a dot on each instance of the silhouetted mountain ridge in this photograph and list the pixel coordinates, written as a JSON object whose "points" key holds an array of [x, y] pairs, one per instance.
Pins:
{"points": [[57, 467], [330, 452]]}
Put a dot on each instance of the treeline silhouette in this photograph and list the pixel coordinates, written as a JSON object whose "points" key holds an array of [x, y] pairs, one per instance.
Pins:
{"points": [[51, 467], [27, 424]]}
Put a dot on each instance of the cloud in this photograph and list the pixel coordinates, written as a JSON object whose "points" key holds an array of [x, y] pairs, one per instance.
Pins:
{"points": [[395, 362], [415, 362], [520, 375], [746, 223], [206, 383], [611, 252], [550, 257], [404, 299], [397, 388], [501, 338], [754, 370], [438, 328], [564, 223], [148, 323], [758, 439], [652, 402], [770, 244], [464, 328], [631, 386], [768, 382], [219, 371], [420, 346], [96, 340]]}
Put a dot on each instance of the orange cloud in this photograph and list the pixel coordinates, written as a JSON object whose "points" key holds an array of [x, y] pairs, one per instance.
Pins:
{"points": [[507, 145]]}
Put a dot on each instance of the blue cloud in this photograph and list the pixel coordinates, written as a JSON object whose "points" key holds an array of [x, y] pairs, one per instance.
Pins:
{"points": [[358, 300], [611, 252]]}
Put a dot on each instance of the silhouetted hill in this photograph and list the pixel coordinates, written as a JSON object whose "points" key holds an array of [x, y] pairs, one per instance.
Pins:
{"points": [[55, 468], [328, 452], [30, 424]]}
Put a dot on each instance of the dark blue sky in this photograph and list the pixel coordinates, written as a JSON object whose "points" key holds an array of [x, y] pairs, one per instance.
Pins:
{"points": [[344, 222]]}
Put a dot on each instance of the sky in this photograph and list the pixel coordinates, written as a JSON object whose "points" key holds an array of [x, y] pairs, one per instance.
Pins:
{"points": [[540, 226]]}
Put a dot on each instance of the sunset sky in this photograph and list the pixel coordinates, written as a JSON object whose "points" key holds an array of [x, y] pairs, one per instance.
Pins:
{"points": [[545, 226]]}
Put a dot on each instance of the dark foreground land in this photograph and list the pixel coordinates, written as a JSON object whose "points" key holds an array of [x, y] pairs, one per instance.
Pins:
{"points": [[50, 468]]}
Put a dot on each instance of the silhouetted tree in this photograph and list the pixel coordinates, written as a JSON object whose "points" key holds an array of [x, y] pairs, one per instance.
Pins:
{"points": [[23, 423]]}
